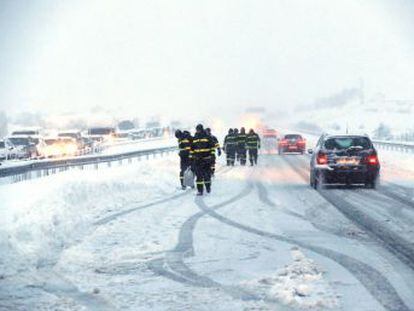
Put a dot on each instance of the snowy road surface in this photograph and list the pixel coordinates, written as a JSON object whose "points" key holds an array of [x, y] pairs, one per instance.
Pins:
{"points": [[125, 238]]}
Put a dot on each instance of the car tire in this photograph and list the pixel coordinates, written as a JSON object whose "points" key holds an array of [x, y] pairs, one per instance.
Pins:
{"points": [[312, 181], [372, 184]]}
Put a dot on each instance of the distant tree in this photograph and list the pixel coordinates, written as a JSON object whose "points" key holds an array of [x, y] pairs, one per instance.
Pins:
{"points": [[382, 132], [126, 125], [29, 119], [3, 124]]}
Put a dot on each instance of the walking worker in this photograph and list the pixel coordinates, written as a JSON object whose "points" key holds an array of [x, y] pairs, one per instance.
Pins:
{"points": [[184, 145], [236, 134], [213, 152], [241, 146], [229, 147], [200, 153], [253, 146]]}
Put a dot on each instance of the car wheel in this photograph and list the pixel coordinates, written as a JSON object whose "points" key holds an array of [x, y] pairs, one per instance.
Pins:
{"points": [[312, 181], [372, 184]]}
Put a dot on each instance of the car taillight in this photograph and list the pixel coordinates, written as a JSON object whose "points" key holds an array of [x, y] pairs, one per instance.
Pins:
{"points": [[322, 159], [372, 159], [301, 142]]}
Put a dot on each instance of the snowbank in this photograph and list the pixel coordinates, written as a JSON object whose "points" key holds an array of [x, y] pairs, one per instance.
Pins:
{"points": [[40, 218], [300, 284]]}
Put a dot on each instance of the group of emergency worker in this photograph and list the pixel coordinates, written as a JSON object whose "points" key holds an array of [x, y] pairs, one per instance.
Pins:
{"points": [[199, 152]]}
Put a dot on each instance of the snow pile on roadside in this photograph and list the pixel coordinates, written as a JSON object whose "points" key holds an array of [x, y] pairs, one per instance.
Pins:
{"points": [[40, 218], [299, 285]]}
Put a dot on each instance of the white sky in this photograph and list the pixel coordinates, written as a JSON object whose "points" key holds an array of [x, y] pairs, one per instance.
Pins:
{"points": [[199, 57]]}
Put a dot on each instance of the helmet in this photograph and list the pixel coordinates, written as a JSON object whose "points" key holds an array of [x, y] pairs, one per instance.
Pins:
{"points": [[186, 133], [236, 130], [230, 131], [199, 128], [208, 131], [178, 134]]}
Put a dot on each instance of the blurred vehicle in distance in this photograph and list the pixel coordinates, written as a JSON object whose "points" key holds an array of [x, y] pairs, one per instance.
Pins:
{"points": [[7, 150], [30, 131], [101, 134], [76, 135], [269, 140], [58, 147], [25, 146], [292, 143]]}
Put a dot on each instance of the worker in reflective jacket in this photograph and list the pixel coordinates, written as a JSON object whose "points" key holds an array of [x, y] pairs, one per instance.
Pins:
{"points": [[253, 145], [213, 152], [229, 147], [241, 146], [184, 145], [236, 134], [200, 153]]}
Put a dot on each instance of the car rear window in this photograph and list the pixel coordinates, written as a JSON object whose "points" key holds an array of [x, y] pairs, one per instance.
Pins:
{"points": [[342, 143], [293, 136]]}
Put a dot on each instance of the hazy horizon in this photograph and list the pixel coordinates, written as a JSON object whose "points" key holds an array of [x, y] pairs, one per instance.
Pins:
{"points": [[197, 59]]}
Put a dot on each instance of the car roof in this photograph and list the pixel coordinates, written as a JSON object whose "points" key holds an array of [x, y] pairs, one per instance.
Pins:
{"points": [[20, 136], [327, 136]]}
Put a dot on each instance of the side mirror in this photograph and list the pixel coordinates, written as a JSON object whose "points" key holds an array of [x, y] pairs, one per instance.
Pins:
{"points": [[310, 151]]}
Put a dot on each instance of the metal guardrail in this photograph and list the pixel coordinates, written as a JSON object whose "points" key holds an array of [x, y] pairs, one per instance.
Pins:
{"points": [[388, 145], [394, 146], [44, 168]]}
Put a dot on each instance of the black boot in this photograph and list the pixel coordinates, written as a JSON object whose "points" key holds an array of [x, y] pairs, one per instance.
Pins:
{"points": [[200, 189]]}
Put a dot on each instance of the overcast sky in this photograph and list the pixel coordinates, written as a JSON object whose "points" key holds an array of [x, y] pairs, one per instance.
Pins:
{"points": [[200, 57]]}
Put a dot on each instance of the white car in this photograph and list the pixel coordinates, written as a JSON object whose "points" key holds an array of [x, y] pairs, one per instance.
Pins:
{"points": [[7, 150], [24, 147]]}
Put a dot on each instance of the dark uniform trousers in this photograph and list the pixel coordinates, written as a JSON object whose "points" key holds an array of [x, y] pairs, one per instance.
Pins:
{"points": [[241, 148], [253, 144], [230, 149], [213, 154], [201, 152]]}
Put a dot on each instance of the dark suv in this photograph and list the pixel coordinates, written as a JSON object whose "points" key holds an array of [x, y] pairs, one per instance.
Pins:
{"points": [[344, 159]]}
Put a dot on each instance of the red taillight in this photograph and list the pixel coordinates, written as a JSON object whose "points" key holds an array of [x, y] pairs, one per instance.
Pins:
{"points": [[372, 159], [322, 159], [301, 142]]}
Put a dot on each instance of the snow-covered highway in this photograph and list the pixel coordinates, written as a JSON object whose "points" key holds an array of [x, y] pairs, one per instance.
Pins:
{"points": [[125, 238]]}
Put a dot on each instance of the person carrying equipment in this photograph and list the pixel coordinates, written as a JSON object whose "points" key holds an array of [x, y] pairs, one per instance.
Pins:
{"points": [[236, 134], [213, 152], [184, 145], [241, 146], [229, 147], [253, 144], [200, 153]]}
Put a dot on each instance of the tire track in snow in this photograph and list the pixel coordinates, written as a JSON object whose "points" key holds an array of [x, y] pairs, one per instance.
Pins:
{"points": [[173, 266], [264, 198], [398, 246], [370, 278], [55, 284], [115, 216]]}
